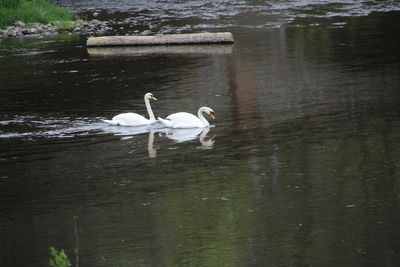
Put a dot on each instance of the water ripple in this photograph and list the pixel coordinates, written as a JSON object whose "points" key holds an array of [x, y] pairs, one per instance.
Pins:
{"points": [[34, 127], [227, 13]]}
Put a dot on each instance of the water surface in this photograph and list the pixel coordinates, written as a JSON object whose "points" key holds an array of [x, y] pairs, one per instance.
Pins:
{"points": [[300, 168]]}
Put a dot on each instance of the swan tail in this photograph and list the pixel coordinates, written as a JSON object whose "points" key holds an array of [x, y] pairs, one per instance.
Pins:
{"points": [[166, 122]]}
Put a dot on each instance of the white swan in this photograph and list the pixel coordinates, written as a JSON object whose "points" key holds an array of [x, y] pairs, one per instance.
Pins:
{"points": [[134, 119], [187, 120]]}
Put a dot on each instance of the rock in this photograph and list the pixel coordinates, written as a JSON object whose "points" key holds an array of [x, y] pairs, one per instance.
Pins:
{"points": [[92, 27], [26, 31], [145, 32], [19, 23], [13, 33]]}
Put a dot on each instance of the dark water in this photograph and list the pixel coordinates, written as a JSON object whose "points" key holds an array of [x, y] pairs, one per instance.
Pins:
{"points": [[301, 168]]}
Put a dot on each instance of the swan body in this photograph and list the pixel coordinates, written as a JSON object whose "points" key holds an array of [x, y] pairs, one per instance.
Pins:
{"points": [[129, 119], [134, 119], [187, 120]]}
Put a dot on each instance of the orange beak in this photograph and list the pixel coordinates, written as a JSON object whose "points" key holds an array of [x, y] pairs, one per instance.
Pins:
{"points": [[212, 115]]}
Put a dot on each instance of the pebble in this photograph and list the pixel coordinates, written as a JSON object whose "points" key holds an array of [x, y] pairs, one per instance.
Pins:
{"points": [[19, 24]]}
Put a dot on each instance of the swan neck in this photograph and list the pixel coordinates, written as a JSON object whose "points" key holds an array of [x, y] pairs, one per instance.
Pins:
{"points": [[149, 110], [201, 117]]}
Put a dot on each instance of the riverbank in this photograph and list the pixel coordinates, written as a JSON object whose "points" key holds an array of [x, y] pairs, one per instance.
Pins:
{"points": [[20, 29], [19, 18], [34, 11]]}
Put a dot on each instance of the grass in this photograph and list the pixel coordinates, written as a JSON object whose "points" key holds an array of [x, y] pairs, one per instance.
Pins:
{"points": [[31, 11]]}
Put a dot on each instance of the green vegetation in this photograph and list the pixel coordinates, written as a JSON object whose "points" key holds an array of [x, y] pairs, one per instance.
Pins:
{"points": [[60, 259], [31, 11]]}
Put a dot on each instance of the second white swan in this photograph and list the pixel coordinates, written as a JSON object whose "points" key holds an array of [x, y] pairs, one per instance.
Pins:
{"points": [[134, 119], [187, 120]]}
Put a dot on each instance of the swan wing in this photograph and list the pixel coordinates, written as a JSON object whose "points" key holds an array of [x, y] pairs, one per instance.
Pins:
{"points": [[129, 119], [184, 120]]}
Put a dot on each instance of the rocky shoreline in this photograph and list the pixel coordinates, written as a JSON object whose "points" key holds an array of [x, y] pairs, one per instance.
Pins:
{"points": [[20, 29]]}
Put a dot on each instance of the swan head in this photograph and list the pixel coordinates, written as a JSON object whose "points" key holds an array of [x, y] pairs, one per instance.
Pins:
{"points": [[209, 111], [150, 96], [212, 115]]}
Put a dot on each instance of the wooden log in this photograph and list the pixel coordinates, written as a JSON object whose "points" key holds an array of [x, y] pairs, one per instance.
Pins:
{"points": [[167, 39], [212, 49]]}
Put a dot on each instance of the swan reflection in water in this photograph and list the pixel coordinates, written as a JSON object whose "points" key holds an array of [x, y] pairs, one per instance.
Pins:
{"points": [[128, 132], [183, 135], [178, 135], [150, 147]]}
